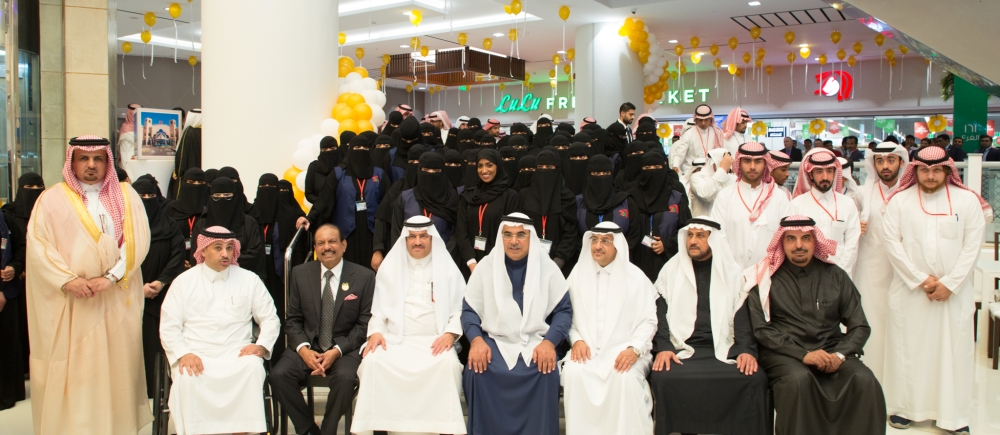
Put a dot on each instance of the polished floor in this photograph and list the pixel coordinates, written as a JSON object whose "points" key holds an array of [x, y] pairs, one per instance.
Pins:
{"points": [[986, 421]]}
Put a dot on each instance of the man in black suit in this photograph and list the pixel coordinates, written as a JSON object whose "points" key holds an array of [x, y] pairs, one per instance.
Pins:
{"points": [[954, 149], [329, 304], [989, 153], [851, 151], [791, 150]]}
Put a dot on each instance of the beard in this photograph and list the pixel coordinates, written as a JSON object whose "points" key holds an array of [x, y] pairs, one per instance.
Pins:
{"points": [[890, 177]]}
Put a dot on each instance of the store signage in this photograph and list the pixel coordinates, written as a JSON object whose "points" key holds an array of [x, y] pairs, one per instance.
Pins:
{"points": [[920, 130], [525, 104], [687, 95], [563, 103], [835, 84], [777, 131]]}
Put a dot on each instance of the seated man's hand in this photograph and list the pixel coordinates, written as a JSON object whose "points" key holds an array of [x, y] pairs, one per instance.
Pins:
{"points": [[819, 359], [480, 355], [311, 358], [834, 364], [625, 360], [78, 287], [663, 360], [192, 363], [746, 364], [374, 342], [99, 284], [580, 352], [327, 359], [253, 349], [443, 343], [7, 273], [545, 356]]}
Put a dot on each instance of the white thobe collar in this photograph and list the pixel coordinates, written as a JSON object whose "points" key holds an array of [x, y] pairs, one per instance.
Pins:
{"points": [[91, 188], [746, 186], [213, 275], [829, 196], [415, 264]]}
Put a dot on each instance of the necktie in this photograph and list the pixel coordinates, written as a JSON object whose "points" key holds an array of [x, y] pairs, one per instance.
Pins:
{"points": [[326, 315], [628, 134]]}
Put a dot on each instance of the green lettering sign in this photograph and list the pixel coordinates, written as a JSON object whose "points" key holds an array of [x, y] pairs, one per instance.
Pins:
{"points": [[526, 104]]}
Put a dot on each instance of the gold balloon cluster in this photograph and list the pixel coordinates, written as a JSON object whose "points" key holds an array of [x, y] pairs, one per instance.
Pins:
{"points": [[817, 126], [937, 124], [639, 41], [758, 128], [346, 66]]}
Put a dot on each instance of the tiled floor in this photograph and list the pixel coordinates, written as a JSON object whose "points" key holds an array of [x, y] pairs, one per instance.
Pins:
{"points": [[986, 421]]}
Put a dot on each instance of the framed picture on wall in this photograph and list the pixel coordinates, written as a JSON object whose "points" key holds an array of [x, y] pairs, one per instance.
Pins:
{"points": [[157, 133]]}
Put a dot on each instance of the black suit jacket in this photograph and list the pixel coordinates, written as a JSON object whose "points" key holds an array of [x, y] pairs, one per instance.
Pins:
{"points": [[350, 324], [796, 154], [992, 154]]}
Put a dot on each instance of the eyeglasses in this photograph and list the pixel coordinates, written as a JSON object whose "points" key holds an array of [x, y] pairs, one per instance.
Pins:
{"points": [[222, 196], [521, 235], [600, 241]]}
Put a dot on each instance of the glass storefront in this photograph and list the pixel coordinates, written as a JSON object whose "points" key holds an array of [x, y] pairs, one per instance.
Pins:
{"points": [[27, 81]]}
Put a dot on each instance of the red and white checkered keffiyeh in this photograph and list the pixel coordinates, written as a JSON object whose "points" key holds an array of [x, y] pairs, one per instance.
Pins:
{"points": [[442, 116], [804, 183], [937, 156], [824, 250], [110, 194], [215, 234], [736, 116], [751, 150]]}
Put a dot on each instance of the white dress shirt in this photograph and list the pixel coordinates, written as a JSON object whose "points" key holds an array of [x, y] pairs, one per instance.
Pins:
{"points": [[105, 223], [337, 271]]}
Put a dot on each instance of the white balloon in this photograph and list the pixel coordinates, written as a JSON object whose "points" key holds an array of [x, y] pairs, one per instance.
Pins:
{"points": [[381, 99], [352, 77], [329, 127], [356, 87], [370, 83], [371, 97], [378, 116], [342, 89], [304, 144], [303, 157], [300, 180]]}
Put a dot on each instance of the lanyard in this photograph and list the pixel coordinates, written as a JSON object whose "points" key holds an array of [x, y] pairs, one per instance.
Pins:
{"points": [[191, 224], [835, 210], [740, 193], [482, 211], [266, 226], [880, 191], [361, 188], [600, 218], [921, 198], [428, 214], [650, 225], [545, 221]]}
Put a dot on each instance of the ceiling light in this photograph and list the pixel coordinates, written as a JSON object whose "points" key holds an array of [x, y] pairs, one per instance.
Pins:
{"points": [[404, 46], [816, 59], [724, 66], [407, 13], [561, 52], [754, 3], [672, 41], [499, 34], [803, 45], [837, 6]]}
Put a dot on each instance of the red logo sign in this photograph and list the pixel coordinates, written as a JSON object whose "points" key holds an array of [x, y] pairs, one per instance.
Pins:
{"points": [[835, 83], [920, 130]]}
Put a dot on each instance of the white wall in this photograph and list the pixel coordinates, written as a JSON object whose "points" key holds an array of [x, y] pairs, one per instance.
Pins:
{"points": [[608, 73]]}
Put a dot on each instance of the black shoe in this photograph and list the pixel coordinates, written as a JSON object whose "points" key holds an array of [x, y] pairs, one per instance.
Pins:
{"points": [[899, 422], [962, 431]]}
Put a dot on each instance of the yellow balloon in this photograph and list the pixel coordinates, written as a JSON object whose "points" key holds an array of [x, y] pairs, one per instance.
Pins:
{"points": [[570, 54], [696, 58], [758, 62], [361, 71], [502, 87], [424, 51], [567, 69], [175, 10], [414, 42], [527, 77], [746, 57], [739, 72], [149, 18], [416, 17], [506, 9], [695, 42], [355, 99], [716, 63], [343, 70], [754, 32], [769, 69], [732, 69], [438, 88], [564, 12], [841, 54], [409, 88], [348, 125], [127, 47], [552, 73], [673, 75], [789, 37], [512, 35], [761, 53], [515, 7], [192, 60], [822, 59], [556, 59], [903, 49], [290, 174], [386, 59], [146, 36], [879, 39], [341, 38], [359, 53], [479, 78], [342, 112], [817, 126], [791, 57], [835, 37], [678, 50], [683, 69], [487, 43], [804, 52], [362, 111], [365, 125], [462, 38], [714, 49], [342, 98], [663, 130], [733, 42], [851, 61], [857, 48], [889, 54]]}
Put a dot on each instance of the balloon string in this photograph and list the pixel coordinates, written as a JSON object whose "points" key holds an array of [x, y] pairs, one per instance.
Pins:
{"points": [[902, 64], [143, 63], [175, 40], [890, 81], [805, 78], [192, 81], [152, 54], [123, 69], [791, 80]]}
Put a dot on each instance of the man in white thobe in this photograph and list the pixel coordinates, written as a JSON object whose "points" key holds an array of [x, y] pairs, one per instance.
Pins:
{"points": [[933, 229], [750, 209], [851, 188], [696, 142], [734, 129], [883, 165], [206, 328], [817, 196], [411, 379], [705, 185], [604, 376]]}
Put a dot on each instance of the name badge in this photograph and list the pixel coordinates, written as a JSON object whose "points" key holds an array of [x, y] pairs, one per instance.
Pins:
{"points": [[361, 205], [546, 245], [187, 244], [3, 243], [647, 241], [479, 244], [267, 249]]}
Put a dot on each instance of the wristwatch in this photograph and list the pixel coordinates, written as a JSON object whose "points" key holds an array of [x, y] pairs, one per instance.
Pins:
{"points": [[637, 353], [841, 356], [111, 278]]}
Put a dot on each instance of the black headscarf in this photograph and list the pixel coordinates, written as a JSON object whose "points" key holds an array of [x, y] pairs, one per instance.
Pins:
{"points": [[266, 201], [24, 202], [487, 141], [466, 141], [433, 190], [575, 173], [546, 187], [410, 175], [409, 135], [633, 163], [210, 176], [192, 198], [160, 227], [455, 174], [509, 156], [380, 150], [601, 140], [345, 138], [524, 177], [486, 192], [240, 192], [329, 154], [359, 159], [618, 139], [452, 140], [561, 144], [227, 213], [653, 188], [431, 134], [394, 120], [584, 137], [567, 127], [152, 179], [519, 129], [646, 131], [599, 196], [470, 177], [122, 175], [543, 132], [520, 144], [474, 123]]}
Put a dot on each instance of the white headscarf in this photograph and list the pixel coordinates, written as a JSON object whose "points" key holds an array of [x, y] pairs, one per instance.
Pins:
{"points": [[193, 119], [872, 180], [392, 283], [489, 295], [676, 284], [630, 288], [534, 125]]}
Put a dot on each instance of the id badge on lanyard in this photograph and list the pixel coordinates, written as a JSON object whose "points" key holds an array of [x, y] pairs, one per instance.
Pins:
{"points": [[479, 243], [648, 240]]}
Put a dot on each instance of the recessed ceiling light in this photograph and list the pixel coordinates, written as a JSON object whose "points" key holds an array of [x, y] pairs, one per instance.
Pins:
{"points": [[561, 52], [499, 34], [672, 41], [406, 13], [816, 59], [404, 46], [724, 66], [754, 3], [803, 45]]}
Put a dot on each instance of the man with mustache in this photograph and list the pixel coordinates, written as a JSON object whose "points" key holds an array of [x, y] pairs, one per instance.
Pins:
{"points": [[206, 327], [818, 195], [800, 302], [329, 305]]}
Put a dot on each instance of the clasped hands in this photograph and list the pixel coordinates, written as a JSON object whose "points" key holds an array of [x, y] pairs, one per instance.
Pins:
{"points": [[319, 363], [935, 290], [823, 361], [87, 288]]}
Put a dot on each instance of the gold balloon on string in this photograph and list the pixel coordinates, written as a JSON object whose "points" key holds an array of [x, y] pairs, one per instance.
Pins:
{"points": [[804, 52], [679, 50], [192, 60], [174, 10], [564, 13], [789, 37], [791, 57], [386, 59], [512, 35], [695, 42], [769, 69], [145, 36], [487, 43], [732, 69], [567, 69], [841, 54], [409, 88], [149, 18], [696, 58], [341, 38], [857, 47], [714, 49], [424, 51], [733, 42], [754, 32], [851, 61], [462, 38], [127, 47], [556, 59], [835, 37], [903, 49], [822, 59], [416, 17], [515, 7], [415, 43], [761, 53], [359, 53], [879, 39], [717, 63], [889, 54], [570, 54], [746, 57]]}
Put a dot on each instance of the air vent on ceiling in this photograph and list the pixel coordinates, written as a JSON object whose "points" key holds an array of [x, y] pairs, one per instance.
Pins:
{"points": [[790, 18]]}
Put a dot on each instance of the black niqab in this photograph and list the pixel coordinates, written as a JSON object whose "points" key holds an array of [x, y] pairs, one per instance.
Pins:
{"points": [[543, 132], [359, 159], [191, 198], [227, 213], [599, 196], [455, 174], [266, 200], [653, 188], [575, 173], [433, 190], [412, 168], [471, 177], [452, 140], [524, 176], [566, 127], [160, 227], [509, 156], [329, 155], [24, 201], [544, 194], [210, 175]]}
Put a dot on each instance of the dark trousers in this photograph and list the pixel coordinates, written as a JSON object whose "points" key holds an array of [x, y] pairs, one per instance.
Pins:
{"points": [[11, 363], [342, 377], [151, 347]]}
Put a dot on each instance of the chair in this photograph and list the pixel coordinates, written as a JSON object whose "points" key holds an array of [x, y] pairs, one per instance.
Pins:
{"points": [[994, 350], [310, 383]]}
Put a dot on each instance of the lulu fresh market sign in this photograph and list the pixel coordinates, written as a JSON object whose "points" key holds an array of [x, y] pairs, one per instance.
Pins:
{"points": [[529, 103], [686, 96]]}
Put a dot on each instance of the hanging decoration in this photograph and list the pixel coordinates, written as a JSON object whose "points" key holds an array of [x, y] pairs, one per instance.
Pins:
{"points": [[126, 49], [791, 71], [359, 53], [758, 129], [175, 11], [663, 130], [564, 15], [341, 39], [150, 19], [817, 126], [462, 38], [902, 65], [937, 124], [653, 58], [192, 61], [891, 57]]}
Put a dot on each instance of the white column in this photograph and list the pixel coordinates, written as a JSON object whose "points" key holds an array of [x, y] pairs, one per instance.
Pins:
{"points": [[608, 74], [268, 79]]}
